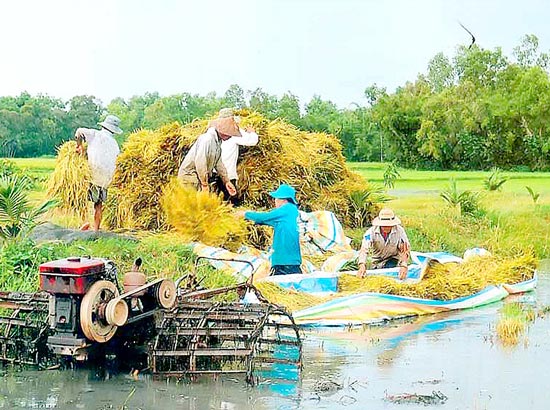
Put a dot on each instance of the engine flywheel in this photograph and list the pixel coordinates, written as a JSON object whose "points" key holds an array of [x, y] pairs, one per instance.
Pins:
{"points": [[92, 311]]}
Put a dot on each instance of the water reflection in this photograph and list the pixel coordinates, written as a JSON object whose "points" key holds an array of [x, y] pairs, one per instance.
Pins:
{"points": [[343, 369]]}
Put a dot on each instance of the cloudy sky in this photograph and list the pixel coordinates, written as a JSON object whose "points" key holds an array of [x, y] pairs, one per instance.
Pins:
{"points": [[333, 48]]}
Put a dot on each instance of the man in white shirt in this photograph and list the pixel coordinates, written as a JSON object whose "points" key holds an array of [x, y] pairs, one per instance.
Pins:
{"points": [[230, 154], [102, 153]]}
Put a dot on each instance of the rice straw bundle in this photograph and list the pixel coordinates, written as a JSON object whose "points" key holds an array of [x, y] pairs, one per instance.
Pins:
{"points": [[70, 180], [202, 216]]}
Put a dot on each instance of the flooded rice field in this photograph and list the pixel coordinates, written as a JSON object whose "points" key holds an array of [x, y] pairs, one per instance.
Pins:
{"points": [[445, 361]]}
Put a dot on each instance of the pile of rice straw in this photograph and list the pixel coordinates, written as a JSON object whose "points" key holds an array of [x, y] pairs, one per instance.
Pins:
{"points": [[311, 162], [441, 281]]}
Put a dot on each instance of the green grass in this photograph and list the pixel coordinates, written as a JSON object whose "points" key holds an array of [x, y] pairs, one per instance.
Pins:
{"points": [[36, 167]]}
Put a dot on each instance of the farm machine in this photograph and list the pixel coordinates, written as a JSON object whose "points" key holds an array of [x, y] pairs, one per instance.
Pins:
{"points": [[82, 315]]}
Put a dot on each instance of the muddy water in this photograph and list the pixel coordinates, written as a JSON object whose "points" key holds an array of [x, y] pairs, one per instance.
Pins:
{"points": [[456, 355]]}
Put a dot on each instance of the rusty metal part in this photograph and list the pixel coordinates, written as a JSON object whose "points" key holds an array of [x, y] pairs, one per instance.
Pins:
{"points": [[133, 280], [24, 327], [207, 337], [165, 294], [92, 311]]}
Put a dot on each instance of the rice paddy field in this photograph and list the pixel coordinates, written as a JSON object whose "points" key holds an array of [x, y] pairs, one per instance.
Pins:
{"points": [[493, 357]]}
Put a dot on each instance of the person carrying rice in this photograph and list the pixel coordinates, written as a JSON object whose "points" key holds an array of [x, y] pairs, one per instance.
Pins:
{"points": [[386, 245], [230, 155], [204, 156], [102, 151], [286, 257]]}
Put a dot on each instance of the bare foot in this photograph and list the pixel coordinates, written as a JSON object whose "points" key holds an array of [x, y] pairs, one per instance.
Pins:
{"points": [[85, 227]]}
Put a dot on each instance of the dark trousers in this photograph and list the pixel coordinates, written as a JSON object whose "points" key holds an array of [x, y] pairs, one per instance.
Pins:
{"points": [[220, 187], [285, 269]]}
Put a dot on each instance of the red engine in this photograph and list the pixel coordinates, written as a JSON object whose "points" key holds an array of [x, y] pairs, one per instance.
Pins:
{"points": [[71, 276]]}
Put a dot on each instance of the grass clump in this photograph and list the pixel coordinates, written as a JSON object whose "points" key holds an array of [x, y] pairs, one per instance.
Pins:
{"points": [[513, 323]]}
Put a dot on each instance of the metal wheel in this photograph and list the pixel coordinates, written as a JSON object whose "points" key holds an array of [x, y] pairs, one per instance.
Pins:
{"points": [[165, 294], [92, 311]]}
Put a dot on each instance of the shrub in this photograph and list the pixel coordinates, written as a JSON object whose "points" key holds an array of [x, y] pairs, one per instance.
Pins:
{"points": [[467, 202], [495, 180]]}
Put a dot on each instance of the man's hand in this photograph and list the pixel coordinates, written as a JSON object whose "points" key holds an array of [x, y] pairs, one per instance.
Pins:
{"points": [[205, 188], [403, 272], [240, 213], [79, 149], [250, 129], [362, 270], [230, 189]]}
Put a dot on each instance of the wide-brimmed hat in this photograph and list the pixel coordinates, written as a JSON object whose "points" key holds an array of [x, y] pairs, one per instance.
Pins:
{"points": [[226, 125], [226, 113], [285, 192], [386, 217], [112, 123]]}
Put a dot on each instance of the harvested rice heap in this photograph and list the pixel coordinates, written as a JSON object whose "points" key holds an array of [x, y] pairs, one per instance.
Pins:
{"points": [[70, 180], [441, 281], [311, 162]]}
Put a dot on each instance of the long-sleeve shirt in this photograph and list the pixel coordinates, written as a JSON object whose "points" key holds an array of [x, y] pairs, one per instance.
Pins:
{"points": [[395, 246], [286, 241], [230, 150], [102, 153], [203, 157]]}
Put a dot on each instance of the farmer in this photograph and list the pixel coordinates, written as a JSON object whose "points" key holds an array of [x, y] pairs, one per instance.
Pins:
{"points": [[230, 154], [102, 153], [286, 258], [385, 244], [205, 156]]}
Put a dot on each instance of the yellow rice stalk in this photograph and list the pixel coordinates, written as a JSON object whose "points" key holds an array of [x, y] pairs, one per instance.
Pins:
{"points": [[509, 330], [70, 180], [290, 299], [202, 216]]}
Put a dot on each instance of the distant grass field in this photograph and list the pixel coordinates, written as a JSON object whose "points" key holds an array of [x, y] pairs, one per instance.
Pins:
{"points": [[512, 220]]}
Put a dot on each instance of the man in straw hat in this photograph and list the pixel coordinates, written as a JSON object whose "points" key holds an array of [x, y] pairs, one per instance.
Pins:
{"points": [[205, 156], [286, 257], [102, 154], [230, 154], [385, 244]]}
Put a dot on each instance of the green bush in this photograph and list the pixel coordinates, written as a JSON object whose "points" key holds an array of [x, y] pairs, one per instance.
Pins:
{"points": [[495, 180], [466, 202]]}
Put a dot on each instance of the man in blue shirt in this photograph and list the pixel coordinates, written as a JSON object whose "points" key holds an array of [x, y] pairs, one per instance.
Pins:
{"points": [[286, 258]]}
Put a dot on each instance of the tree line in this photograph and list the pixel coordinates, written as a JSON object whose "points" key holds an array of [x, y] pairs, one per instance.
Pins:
{"points": [[475, 110]]}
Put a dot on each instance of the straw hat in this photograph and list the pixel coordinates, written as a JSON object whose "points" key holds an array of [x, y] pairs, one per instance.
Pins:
{"points": [[285, 192], [386, 217], [227, 126], [112, 123]]}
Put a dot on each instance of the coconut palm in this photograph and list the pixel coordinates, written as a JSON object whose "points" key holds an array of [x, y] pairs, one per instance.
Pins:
{"points": [[18, 217]]}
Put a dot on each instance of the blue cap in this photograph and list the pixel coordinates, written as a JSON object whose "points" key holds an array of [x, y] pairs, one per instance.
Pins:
{"points": [[285, 192]]}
